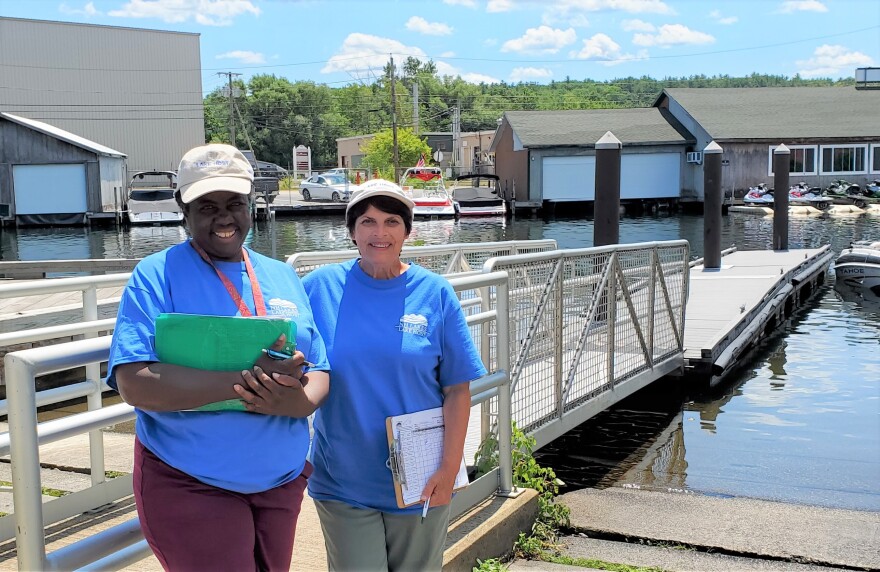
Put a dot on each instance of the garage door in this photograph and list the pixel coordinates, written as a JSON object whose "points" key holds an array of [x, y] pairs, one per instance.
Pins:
{"points": [[569, 178], [642, 176], [650, 176], [49, 189]]}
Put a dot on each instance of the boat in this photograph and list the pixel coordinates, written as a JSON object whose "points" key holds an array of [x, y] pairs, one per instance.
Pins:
{"points": [[478, 195], [802, 194], [424, 185], [859, 265], [150, 198], [759, 195]]}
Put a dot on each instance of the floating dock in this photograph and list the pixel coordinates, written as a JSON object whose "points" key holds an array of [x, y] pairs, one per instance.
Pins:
{"points": [[730, 309]]}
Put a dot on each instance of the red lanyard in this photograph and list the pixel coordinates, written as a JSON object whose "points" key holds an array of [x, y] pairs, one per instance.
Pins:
{"points": [[259, 303]]}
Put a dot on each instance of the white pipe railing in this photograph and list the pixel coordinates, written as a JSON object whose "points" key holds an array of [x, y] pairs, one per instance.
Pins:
{"points": [[123, 544]]}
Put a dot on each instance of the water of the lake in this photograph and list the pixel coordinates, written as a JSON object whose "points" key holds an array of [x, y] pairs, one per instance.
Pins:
{"points": [[799, 422]]}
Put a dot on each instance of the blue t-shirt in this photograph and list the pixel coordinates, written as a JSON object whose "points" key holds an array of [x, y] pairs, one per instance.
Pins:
{"points": [[393, 345], [237, 451]]}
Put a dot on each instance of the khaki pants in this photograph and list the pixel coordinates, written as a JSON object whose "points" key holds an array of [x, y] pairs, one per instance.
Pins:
{"points": [[369, 540]]}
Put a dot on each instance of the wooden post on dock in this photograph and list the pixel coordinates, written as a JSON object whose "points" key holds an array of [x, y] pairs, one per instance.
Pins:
{"points": [[712, 205], [781, 163], [606, 210]]}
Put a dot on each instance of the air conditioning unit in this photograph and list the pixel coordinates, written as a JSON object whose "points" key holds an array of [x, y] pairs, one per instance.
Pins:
{"points": [[695, 157]]}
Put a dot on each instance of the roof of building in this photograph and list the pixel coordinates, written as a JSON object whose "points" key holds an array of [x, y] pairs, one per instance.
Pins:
{"points": [[781, 112], [63, 135], [582, 128]]}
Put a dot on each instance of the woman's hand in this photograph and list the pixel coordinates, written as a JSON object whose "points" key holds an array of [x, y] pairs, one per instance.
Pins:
{"points": [[439, 487], [271, 394], [291, 366]]}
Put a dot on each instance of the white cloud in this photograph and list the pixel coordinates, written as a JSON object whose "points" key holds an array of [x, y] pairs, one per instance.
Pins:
{"points": [[672, 35], [447, 55], [490, 42], [445, 69], [555, 18], [630, 6], [217, 13], [364, 55], [637, 26], [542, 40], [244, 57], [87, 10], [477, 78], [499, 6], [802, 6], [601, 48], [422, 26], [725, 20], [465, 3], [833, 61], [527, 74]]}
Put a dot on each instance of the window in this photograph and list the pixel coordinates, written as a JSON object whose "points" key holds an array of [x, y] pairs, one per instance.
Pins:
{"points": [[875, 158], [801, 161], [844, 159]]}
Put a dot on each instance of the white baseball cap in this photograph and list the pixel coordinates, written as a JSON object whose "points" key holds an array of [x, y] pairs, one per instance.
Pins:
{"points": [[214, 167], [379, 188]]}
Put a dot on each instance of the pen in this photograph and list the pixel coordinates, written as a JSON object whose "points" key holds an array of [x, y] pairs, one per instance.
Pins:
{"points": [[425, 509], [280, 355]]}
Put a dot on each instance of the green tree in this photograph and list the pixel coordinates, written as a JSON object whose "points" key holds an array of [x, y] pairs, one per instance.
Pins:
{"points": [[379, 151]]}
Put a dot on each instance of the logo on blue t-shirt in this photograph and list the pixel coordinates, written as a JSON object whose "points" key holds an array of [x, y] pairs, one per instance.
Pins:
{"points": [[413, 324], [279, 307]]}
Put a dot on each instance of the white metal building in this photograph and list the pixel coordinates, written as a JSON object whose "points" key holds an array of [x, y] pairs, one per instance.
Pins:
{"points": [[135, 90]]}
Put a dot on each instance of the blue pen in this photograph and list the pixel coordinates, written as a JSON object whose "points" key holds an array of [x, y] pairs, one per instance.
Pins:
{"points": [[425, 509]]}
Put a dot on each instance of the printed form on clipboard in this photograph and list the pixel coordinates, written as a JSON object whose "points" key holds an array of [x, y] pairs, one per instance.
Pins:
{"points": [[415, 447]]}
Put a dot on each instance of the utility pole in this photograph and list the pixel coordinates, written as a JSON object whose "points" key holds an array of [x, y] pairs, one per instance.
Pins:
{"points": [[231, 94], [456, 138], [394, 123], [416, 107]]}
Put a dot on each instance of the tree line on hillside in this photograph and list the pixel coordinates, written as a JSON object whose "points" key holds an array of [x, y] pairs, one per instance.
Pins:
{"points": [[274, 114]]}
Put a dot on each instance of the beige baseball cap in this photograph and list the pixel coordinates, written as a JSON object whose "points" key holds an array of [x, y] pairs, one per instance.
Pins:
{"points": [[214, 167], [377, 188]]}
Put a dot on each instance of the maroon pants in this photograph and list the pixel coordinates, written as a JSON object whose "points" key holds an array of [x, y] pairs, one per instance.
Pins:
{"points": [[192, 526]]}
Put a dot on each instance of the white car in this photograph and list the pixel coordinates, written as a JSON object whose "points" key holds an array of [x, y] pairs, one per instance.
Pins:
{"points": [[327, 188]]}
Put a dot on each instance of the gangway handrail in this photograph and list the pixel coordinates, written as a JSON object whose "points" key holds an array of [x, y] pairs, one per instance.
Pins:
{"points": [[122, 544]]}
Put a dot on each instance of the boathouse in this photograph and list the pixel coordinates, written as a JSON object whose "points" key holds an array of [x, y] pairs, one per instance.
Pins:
{"points": [[51, 176], [832, 132], [551, 156]]}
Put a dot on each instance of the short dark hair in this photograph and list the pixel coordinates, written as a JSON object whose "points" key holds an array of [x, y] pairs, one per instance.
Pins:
{"points": [[384, 204]]}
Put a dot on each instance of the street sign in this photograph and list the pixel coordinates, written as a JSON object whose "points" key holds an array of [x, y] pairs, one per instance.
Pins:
{"points": [[438, 155]]}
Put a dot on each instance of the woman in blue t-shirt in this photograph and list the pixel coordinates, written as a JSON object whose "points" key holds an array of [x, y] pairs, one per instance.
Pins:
{"points": [[218, 490], [398, 343]]}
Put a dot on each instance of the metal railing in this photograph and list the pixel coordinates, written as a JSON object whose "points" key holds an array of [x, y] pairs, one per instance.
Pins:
{"points": [[589, 327], [442, 259], [123, 544]]}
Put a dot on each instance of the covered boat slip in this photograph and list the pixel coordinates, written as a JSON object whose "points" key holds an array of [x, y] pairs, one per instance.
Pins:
{"points": [[731, 308]]}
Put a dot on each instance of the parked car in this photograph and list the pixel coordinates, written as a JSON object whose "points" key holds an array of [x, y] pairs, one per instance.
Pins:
{"points": [[336, 171], [327, 187]]}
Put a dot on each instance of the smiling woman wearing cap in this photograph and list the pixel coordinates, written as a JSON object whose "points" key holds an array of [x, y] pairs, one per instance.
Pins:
{"points": [[217, 490], [399, 343]]}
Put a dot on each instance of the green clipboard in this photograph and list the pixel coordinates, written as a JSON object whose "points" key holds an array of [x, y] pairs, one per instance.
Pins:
{"points": [[219, 343]]}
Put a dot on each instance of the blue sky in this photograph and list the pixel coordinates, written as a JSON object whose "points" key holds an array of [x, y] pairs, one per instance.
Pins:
{"points": [[337, 42]]}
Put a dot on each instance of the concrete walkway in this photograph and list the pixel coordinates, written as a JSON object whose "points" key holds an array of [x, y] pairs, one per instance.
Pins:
{"points": [[690, 532], [487, 530]]}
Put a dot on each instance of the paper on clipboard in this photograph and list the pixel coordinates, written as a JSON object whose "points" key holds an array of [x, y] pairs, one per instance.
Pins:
{"points": [[415, 444]]}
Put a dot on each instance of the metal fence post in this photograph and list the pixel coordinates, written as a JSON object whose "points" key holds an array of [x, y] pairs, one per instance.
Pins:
{"points": [[505, 407], [30, 543], [93, 400]]}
